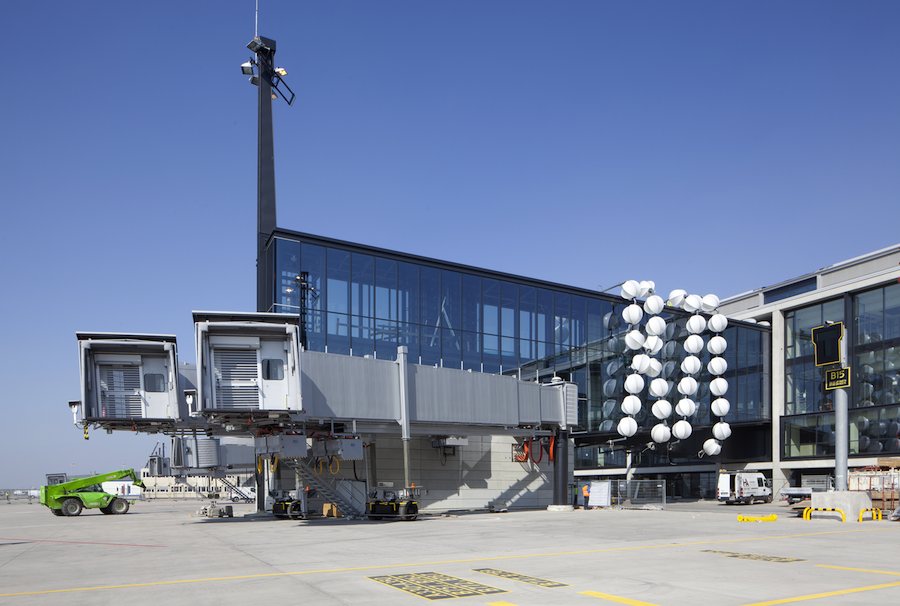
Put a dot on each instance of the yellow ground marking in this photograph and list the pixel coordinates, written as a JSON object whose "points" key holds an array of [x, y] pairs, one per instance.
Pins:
{"points": [[264, 575], [615, 598], [826, 594], [501, 604], [869, 570]]}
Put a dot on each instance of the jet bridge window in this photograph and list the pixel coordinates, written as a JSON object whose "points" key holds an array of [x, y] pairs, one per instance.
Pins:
{"points": [[154, 382], [273, 369]]}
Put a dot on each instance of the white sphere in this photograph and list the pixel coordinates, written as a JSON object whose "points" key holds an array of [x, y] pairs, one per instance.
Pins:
{"points": [[668, 369], [659, 388], [717, 366], [691, 365], [692, 303], [681, 430], [631, 405], [696, 324], [647, 287], [687, 386], [632, 314], [717, 345], [676, 297], [630, 289], [627, 427], [660, 433], [640, 363], [711, 447], [685, 407], [718, 323], [720, 407], [634, 339], [693, 344], [634, 384], [721, 430], [654, 304], [718, 386], [661, 409], [709, 303], [656, 326], [655, 368], [653, 344]]}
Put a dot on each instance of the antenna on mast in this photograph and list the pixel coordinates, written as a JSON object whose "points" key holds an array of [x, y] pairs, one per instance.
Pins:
{"points": [[256, 21]]}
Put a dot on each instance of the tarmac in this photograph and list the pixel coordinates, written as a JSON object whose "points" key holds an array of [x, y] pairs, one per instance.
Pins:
{"points": [[689, 553]]}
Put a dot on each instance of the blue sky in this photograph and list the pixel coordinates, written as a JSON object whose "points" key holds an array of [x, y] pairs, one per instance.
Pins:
{"points": [[714, 146]]}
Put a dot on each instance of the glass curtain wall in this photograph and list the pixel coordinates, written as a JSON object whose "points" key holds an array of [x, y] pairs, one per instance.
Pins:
{"points": [[803, 380]]}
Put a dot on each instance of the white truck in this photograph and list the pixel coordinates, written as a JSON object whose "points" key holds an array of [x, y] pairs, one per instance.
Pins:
{"points": [[743, 487]]}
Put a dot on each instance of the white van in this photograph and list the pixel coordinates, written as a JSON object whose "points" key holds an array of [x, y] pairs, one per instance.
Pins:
{"points": [[743, 487]]}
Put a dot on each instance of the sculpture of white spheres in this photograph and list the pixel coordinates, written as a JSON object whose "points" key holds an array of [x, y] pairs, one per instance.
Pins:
{"points": [[692, 303], [640, 363], [631, 289], [711, 447], [717, 345], [718, 323], [655, 368], [660, 433], [627, 427], [721, 430], [654, 304], [676, 297], [717, 366], [687, 386], [685, 407], [691, 365], [693, 344], [661, 409], [656, 326], [632, 314], [647, 287], [634, 339], [659, 388], [720, 407], [709, 303], [653, 344], [681, 430], [718, 386], [634, 384], [696, 324], [631, 405]]}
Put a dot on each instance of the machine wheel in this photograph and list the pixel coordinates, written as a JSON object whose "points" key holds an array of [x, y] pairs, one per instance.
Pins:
{"points": [[118, 506], [71, 507], [106, 510], [56, 512]]}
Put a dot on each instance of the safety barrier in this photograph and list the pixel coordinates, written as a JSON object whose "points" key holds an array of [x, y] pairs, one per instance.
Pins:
{"points": [[876, 513], [807, 513], [768, 518]]}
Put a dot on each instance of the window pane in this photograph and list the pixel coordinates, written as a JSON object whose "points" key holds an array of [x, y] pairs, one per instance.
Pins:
{"points": [[154, 382], [408, 304], [386, 296], [471, 303], [338, 293], [273, 369]]}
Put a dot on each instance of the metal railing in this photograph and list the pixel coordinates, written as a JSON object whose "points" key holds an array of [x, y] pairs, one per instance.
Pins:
{"points": [[639, 494]]}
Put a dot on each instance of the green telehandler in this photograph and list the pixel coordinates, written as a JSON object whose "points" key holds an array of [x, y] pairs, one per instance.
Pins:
{"points": [[69, 498]]}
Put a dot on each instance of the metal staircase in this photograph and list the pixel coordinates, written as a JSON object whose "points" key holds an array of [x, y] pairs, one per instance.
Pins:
{"points": [[326, 488], [236, 490]]}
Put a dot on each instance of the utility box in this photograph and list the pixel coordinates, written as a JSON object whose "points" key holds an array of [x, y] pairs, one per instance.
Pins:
{"points": [[284, 445], [129, 377], [348, 449], [247, 362]]}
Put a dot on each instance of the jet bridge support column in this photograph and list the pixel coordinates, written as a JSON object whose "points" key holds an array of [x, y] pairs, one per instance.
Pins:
{"points": [[561, 469], [402, 353]]}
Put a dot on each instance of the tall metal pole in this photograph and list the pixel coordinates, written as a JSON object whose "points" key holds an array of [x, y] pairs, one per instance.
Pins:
{"points": [[561, 468], [841, 429], [265, 170]]}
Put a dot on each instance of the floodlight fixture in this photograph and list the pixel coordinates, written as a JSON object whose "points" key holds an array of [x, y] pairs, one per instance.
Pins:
{"points": [[247, 68], [281, 71], [257, 45]]}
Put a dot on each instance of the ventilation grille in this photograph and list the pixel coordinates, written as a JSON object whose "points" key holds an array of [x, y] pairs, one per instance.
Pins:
{"points": [[236, 378], [120, 392]]}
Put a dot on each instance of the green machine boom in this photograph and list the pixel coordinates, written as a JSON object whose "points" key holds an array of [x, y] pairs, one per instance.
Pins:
{"points": [[69, 498]]}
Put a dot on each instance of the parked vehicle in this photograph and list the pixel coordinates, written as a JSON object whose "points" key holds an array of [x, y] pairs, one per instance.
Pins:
{"points": [[69, 498], [744, 487], [810, 484]]}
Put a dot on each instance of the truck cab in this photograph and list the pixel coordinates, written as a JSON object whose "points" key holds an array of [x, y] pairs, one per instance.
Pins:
{"points": [[743, 487]]}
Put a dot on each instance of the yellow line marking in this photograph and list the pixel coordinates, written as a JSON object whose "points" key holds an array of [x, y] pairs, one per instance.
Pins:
{"points": [[826, 594], [616, 598], [869, 570], [263, 575], [501, 604]]}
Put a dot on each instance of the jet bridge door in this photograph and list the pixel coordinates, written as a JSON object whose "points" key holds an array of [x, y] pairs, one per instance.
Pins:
{"points": [[120, 390], [236, 377], [275, 373], [156, 380]]}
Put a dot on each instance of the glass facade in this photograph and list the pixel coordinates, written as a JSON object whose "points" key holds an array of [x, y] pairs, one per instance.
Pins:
{"points": [[361, 301], [872, 319]]}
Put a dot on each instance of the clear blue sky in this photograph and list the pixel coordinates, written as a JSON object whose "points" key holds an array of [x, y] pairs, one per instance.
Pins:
{"points": [[714, 146]]}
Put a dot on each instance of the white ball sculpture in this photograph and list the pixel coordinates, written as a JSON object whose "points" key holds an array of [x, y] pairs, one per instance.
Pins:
{"points": [[631, 405], [653, 344], [627, 427], [654, 304], [718, 386], [691, 365], [647, 287], [709, 303], [676, 297], [640, 363], [634, 384], [661, 409], [681, 430], [718, 323], [721, 430], [696, 324], [655, 368], [655, 327], [692, 303], [685, 407], [717, 345], [711, 447], [632, 314], [693, 344], [720, 407], [717, 366], [687, 386], [660, 433], [631, 289], [634, 339], [659, 388]]}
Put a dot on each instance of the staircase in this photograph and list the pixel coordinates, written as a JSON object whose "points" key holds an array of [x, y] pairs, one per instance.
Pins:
{"points": [[326, 489], [236, 490]]}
